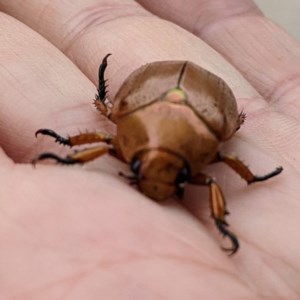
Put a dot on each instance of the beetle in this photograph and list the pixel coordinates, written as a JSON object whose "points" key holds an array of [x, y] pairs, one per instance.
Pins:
{"points": [[172, 117]]}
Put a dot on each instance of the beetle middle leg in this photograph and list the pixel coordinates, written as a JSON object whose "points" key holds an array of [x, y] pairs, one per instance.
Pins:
{"points": [[78, 157], [239, 167], [218, 209], [101, 102], [79, 139], [81, 156]]}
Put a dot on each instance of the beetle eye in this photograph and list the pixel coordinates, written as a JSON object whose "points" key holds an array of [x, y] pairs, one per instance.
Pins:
{"points": [[135, 165], [183, 175]]}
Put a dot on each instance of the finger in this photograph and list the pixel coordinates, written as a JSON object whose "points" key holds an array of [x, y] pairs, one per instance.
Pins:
{"points": [[189, 14], [40, 87], [88, 30], [267, 56]]}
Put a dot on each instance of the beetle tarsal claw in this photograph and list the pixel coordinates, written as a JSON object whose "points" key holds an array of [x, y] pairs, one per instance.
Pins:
{"points": [[221, 225], [230, 251], [58, 139], [256, 178]]}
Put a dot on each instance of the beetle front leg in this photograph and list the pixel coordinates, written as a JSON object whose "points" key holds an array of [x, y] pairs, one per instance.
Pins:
{"points": [[239, 167], [218, 209], [101, 102], [79, 157], [80, 139]]}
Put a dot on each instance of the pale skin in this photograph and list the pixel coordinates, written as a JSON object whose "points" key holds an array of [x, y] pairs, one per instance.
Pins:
{"points": [[83, 232]]}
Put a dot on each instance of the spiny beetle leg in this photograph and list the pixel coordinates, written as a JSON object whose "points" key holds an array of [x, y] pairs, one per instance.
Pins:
{"points": [[101, 102], [239, 167], [59, 139], [221, 225], [241, 120], [218, 209], [80, 139], [48, 155], [78, 157], [256, 178], [101, 83]]}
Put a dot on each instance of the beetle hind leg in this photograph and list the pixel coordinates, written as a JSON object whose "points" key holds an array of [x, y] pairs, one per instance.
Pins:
{"points": [[101, 101], [222, 227], [218, 210], [78, 157]]}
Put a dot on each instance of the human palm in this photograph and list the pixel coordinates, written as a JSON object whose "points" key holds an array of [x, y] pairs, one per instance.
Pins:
{"points": [[83, 232]]}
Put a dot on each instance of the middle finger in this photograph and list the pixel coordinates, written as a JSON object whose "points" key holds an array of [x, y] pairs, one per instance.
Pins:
{"points": [[87, 30]]}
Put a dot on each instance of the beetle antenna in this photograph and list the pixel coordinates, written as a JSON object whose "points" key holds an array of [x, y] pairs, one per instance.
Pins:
{"points": [[181, 74]]}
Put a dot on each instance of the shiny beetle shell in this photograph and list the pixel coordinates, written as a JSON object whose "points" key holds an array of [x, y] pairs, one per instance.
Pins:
{"points": [[174, 105], [171, 118]]}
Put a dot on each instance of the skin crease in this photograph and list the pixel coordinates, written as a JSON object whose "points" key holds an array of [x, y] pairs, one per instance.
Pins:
{"points": [[83, 232]]}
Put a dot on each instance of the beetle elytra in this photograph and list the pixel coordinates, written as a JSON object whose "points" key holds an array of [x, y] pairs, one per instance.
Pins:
{"points": [[171, 117]]}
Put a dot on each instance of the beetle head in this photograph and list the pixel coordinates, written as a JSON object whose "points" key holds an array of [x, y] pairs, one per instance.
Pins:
{"points": [[160, 174]]}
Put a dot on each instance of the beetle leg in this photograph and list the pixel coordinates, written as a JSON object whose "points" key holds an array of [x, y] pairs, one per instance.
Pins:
{"points": [[239, 167], [218, 209], [101, 102], [80, 139], [241, 120], [133, 179], [78, 157]]}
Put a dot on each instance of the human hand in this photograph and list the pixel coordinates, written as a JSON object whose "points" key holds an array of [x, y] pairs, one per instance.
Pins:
{"points": [[82, 232]]}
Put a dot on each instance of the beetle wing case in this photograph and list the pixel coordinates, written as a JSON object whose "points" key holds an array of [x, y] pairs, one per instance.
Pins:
{"points": [[207, 94]]}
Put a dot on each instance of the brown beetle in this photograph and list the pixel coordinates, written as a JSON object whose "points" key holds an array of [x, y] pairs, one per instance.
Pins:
{"points": [[171, 118]]}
